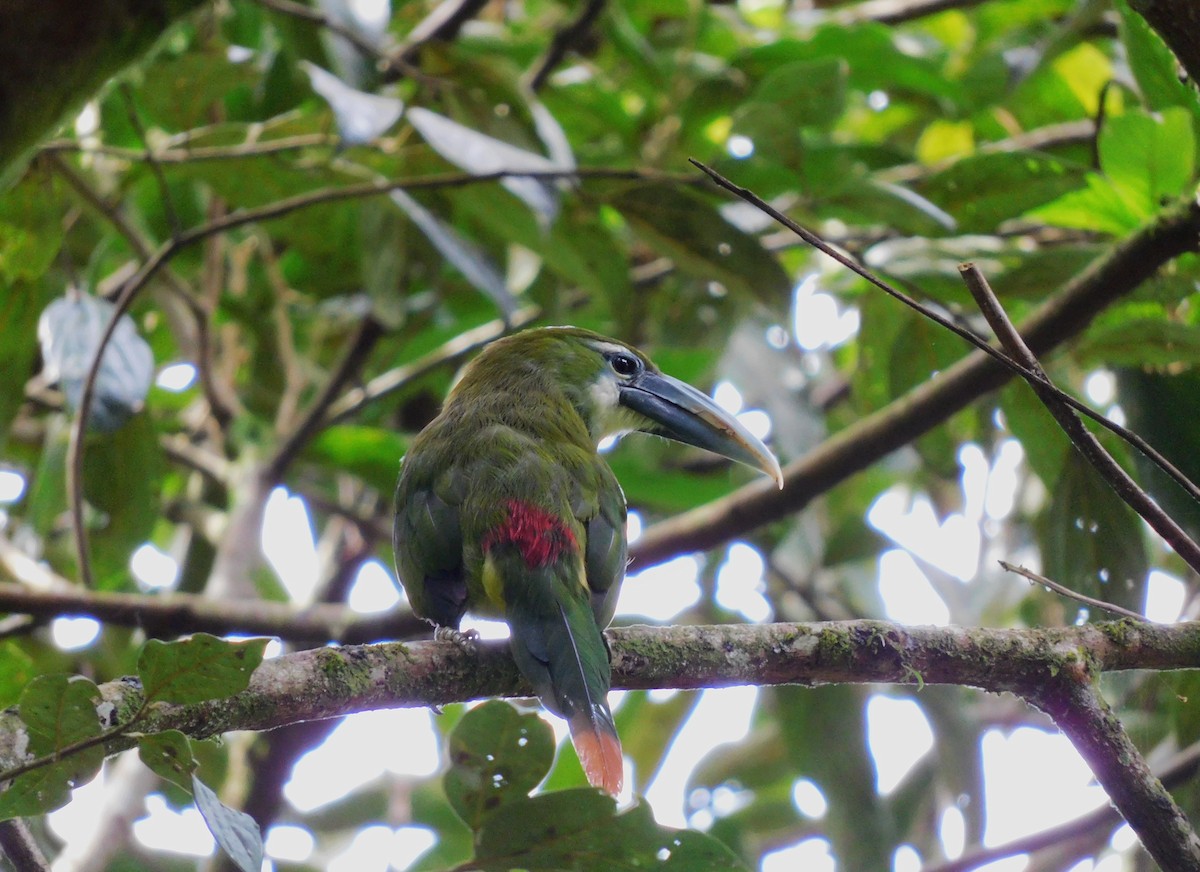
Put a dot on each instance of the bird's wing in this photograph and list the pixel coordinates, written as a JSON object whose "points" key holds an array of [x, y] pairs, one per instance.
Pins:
{"points": [[607, 550], [427, 536]]}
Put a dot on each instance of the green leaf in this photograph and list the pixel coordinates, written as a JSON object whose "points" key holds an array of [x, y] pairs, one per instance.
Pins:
{"points": [[169, 755], [686, 228], [1153, 64], [1148, 157], [802, 93], [122, 481], [59, 710], [1145, 159], [1090, 540], [236, 832], [578, 829], [372, 453], [49, 787], [199, 668], [1140, 342], [497, 756], [983, 190]]}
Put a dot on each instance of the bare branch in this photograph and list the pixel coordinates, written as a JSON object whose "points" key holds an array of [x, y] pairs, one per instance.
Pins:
{"points": [[1063, 590], [1079, 710], [563, 41], [42, 594]]}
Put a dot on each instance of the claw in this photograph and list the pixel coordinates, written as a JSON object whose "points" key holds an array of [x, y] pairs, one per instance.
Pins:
{"points": [[464, 639]]}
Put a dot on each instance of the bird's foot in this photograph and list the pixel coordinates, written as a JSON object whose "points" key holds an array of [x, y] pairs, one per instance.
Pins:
{"points": [[464, 639]]}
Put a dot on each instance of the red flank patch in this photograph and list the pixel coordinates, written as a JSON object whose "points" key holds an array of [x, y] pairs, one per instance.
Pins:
{"points": [[540, 536]]}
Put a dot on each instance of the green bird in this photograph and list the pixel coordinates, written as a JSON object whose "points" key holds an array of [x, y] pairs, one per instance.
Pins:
{"points": [[505, 509]]}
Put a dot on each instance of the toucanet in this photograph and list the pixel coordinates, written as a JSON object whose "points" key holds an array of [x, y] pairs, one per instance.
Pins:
{"points": [[505, 508]]}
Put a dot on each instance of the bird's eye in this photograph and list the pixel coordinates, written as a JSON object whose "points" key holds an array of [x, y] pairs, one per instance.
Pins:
{"points": [[624, 364]]}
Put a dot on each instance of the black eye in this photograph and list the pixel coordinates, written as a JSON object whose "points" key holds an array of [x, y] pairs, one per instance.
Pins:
{"points": [[624, 364]]}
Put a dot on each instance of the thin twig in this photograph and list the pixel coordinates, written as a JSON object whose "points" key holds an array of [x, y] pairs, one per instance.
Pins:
{"points": [[164, 191], [369, 332], [42, 594], [1081, 437], [563, 41], [440, 25], [306, 13], [184, 155], [1070, 594], [355, 399]]}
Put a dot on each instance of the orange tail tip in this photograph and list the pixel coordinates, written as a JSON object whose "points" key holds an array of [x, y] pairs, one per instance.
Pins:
{"points": [[600, 755]]}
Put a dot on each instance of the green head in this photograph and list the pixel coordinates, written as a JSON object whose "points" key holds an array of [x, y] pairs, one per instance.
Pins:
{"points": [[615, 389]]}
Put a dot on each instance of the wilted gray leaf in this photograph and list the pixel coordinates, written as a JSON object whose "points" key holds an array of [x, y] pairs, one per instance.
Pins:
{"points": [[69, 330], [466, 257], [480, 154], [361, 117], [236, 832]]}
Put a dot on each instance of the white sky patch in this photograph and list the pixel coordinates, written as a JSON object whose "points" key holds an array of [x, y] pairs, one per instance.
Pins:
{"points": [[661, 592], [808, 799], [878, 100], [179, 832], [1165, 597], [402, 741], [176, 377], [907, 594], [71, 634], [906, 859], [818, 320], [154, 568], [485, 627], [1100, 387], [899, 735], [726, 395], [721, 716], [76, 821], [952, 831], [811, 855], [373, 589], [1033, 780], [289, 843], [12, 486], [953, 545], [368, 852], [1002, 483], [633, 527], [408, 844], [740, 147], [740, 583], [288, 545]]}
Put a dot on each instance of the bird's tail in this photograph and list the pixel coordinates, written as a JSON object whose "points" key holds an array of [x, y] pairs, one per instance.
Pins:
{"points": [[559, 648]]}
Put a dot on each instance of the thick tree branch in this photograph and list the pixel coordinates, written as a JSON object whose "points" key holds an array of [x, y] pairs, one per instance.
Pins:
{"points": [[1077, 707], [329, 682], [856, 447]]}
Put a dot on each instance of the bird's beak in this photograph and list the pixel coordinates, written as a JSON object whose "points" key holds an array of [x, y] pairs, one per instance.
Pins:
{"points": [[686, 415]]}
